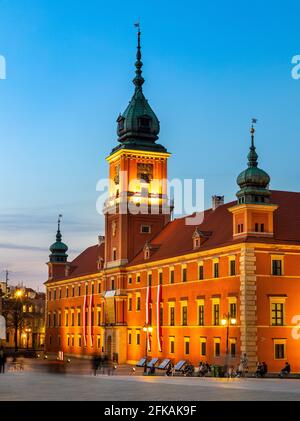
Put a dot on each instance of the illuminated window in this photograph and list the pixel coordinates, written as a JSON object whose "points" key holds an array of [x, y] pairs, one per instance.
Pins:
{"points": [[232, 347], [217, 347], [279, 349], [187, 345], [184, 273], [171, 313], [138, 302], [172, 277], [171, 344], [160, 277], [200, 312], [129, 302], [277, 308], [216, 311], [277, 265], [216, 268], [184, 314], [203, 342], [200, 271], [232, 266], [232, 307]]}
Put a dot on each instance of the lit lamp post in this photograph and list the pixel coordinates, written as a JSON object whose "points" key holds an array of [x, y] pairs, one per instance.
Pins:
{"points": [[227, 321], [17, 315], [147, 329], [28, 330]]}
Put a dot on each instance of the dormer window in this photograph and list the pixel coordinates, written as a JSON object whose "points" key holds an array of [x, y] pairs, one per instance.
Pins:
{"points": [[144, 123], [147, 251], [120, 122]]}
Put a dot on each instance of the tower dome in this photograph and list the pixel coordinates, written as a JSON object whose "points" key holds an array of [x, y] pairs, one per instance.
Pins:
{"points": [[58, 249], [138, 126], [253, 182]]}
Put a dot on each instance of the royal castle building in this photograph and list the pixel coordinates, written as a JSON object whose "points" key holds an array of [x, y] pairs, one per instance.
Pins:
{"points": [[227, 286]]}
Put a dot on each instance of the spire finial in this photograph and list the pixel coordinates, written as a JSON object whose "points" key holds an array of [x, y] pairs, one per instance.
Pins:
{"points": [[252, 156], [138, 80], [58, 235]]}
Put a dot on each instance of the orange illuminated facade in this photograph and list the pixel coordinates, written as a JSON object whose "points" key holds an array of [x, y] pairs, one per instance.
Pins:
{"points": [[225, 287]]}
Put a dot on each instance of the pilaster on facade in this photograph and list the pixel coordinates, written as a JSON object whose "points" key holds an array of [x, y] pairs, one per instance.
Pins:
{"points": [[248, 302]]}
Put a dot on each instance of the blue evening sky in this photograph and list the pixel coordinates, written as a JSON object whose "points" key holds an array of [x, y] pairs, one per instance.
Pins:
{"points": [[210, 66]]}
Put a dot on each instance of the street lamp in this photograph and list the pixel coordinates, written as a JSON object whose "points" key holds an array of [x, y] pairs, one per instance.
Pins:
{"points": [[147, 329], [27, 330], [17, 314], [227, 321]]}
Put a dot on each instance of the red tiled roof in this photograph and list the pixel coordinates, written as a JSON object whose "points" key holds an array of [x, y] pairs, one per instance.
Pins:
{"points": [[176, 238]]}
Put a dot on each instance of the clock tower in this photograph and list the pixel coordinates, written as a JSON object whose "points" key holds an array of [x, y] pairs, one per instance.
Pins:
{"points": [[137, 206]]}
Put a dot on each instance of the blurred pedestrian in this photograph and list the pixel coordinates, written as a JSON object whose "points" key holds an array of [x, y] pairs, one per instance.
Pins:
{"points": [[95, 364], [2, 360]]}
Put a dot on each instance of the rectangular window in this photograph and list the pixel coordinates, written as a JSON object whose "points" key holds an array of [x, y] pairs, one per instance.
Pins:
{"points": [[184, 275], [73, 342], [73, 291], [78, 318], [201, 272], [232, 310], [59, 294], [99, 287], [216, 269], [79, 341], [138, 279], [67, 292], [279, 349], [138, 338], [138, 303], [129, 338], [72, 318], [149, 279], [232, 269], [145, 229], [130, 280], [172, 316], [68, 340], [161, 316], [160, 278], [92, 317], [67, 319], [203, 347], [54, 295], [98, 316], [201, 314], [187, 346], [232, 348], [277, 313], [172, 277], [93, 289], [114, 254], [86, 289], [59, 319], [112, 284], [54, 319], [79, 290], [129, 303], [172, 344], [216, 314], [98, 341], [277, 267], [184, 315], [217, 346]]}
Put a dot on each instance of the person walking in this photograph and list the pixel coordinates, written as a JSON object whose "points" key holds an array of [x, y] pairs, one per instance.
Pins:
{"points": [[2, 360]]}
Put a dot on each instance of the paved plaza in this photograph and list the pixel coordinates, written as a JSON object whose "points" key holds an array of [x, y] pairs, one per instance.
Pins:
{"points": [[44, 386]]}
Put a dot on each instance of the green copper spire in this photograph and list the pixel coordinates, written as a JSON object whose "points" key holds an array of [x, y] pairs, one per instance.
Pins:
{"points": [[58, 249], [138, 126], [253, 182], [138, 80]]}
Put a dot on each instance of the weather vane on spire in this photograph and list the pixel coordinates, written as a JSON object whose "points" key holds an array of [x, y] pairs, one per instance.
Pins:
{"points": [[138, 80], [59, 221]]}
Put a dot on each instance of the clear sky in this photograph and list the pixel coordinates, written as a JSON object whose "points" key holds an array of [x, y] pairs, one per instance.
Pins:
{"points": [[210, 66]]}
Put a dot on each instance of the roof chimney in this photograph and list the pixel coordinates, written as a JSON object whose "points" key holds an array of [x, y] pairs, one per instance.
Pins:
{"points": [[217, 201], [101, 240]]}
